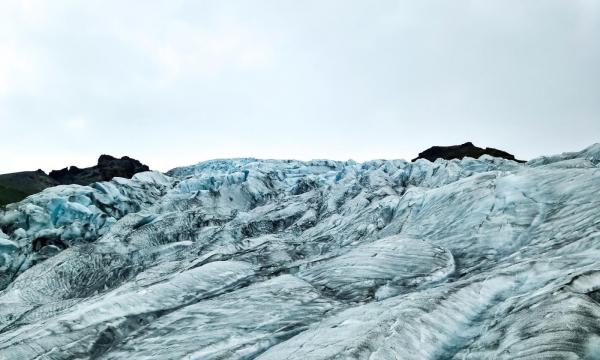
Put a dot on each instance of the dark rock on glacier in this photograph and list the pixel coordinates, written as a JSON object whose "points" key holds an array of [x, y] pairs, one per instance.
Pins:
{"points": [[107, 168], [460, 151], [264, 259]]}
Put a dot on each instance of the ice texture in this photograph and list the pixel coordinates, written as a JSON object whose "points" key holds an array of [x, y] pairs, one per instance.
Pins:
{"points": [[280, 259]]}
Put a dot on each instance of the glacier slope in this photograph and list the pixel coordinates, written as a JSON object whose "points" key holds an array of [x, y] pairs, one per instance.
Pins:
{"points": [[243, 258]]}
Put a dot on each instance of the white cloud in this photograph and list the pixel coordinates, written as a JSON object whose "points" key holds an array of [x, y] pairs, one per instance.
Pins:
{"points": [[76, 124], [185, 49], [18, 71], [24, 12]]}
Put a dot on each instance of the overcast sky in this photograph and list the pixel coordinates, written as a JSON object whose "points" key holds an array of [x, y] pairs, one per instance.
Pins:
{"points": [[176, 82]]}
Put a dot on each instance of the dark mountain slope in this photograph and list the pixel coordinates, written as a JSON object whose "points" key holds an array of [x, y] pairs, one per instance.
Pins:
{"points": [[16, 186]]}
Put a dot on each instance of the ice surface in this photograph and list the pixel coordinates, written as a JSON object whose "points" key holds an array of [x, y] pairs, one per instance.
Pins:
{"points": [[380, 269], [270, 259], [66, 215]]}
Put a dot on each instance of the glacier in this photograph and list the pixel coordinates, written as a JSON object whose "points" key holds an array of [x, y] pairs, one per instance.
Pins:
{"points": [[281, 259]]}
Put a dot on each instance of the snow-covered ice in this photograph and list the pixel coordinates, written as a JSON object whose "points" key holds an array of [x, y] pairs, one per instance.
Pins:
{"points": [[273, 259]]}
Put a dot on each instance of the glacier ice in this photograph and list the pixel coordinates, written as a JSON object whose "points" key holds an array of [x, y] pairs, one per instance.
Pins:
{"points": [[280, 259]]}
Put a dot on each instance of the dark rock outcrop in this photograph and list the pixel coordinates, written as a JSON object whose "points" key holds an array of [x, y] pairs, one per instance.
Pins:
{"points": [[460, 151], [15, 187], [108, 167]]}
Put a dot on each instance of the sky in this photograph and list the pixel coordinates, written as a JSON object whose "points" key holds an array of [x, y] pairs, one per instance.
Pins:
{"points": [[176, 82]]}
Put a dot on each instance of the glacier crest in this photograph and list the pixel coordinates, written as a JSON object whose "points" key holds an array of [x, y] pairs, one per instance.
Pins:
{"points": [[280, 259]]}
